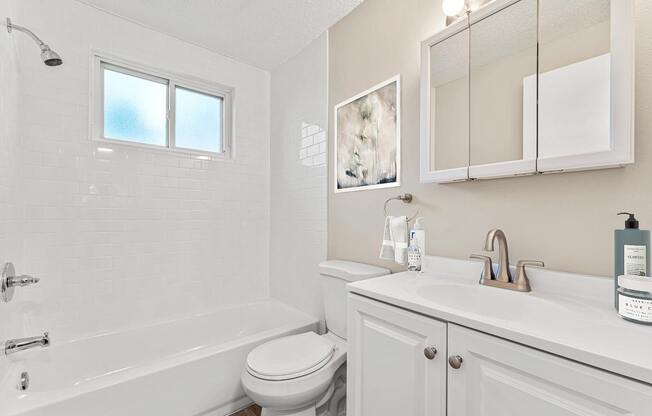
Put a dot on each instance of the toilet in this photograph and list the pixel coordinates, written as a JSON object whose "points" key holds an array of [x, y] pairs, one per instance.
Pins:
{"points": [[305, 374]]}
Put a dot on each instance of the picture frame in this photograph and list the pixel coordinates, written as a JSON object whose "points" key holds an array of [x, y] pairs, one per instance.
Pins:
{"points": [[367, 139]]}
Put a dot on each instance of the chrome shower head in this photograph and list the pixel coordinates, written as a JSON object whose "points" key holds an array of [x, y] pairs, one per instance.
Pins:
{"points": [[49, 57]]}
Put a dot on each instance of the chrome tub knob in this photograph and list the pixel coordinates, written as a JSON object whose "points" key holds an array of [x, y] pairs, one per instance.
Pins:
{"points": [[9, 281]]}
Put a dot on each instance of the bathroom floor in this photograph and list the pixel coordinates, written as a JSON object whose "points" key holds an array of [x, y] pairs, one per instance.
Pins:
{"points": [[249, 411]]}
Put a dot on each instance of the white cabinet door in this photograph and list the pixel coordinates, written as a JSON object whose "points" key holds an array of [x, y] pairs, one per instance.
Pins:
{"points": [[501, 378], [388, 371]]}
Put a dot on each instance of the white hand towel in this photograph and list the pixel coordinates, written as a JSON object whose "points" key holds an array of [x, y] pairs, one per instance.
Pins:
{"points": [[387, 248], [395, 240]]}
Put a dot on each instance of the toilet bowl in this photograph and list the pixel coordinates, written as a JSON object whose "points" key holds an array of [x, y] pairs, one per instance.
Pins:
{"points": [[298, 381], [305, 374]]}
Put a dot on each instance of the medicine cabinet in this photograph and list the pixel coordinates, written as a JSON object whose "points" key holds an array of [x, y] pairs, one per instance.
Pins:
{"points": [[520, 87]]}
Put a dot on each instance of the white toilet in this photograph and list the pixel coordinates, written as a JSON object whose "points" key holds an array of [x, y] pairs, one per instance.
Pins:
{"points": [[305, 374]]}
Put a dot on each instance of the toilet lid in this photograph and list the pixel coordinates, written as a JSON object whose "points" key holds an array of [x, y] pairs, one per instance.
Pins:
{"points": [[290, 357]]}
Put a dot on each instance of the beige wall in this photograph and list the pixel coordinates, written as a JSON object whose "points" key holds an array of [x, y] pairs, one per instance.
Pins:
{"points": [[565, 219]]}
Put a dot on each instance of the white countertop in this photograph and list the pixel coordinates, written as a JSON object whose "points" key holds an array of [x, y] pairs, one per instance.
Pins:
{"points": [[565, 314]]}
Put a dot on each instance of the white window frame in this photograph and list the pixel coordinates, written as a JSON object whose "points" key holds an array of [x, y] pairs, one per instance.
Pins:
{"points": [[101, 61]]}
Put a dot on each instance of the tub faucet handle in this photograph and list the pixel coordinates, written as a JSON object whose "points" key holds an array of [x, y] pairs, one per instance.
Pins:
{"points": [[22, 280], [9, 281]]}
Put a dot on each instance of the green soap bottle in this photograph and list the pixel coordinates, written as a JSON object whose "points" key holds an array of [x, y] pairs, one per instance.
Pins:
{"points": [[631, 252]]}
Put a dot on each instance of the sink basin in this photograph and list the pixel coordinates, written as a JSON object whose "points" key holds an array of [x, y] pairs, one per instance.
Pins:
{"points": [[493, 302]]}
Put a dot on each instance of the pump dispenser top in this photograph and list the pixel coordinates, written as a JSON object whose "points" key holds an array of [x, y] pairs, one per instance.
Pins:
{"points": [[631, 222]]}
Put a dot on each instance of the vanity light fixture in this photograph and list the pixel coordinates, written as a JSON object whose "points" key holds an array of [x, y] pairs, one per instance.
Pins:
{"points": [[455, 9]]}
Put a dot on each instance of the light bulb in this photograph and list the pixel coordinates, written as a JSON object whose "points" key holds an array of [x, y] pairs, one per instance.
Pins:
{"points": [[452, 7]]}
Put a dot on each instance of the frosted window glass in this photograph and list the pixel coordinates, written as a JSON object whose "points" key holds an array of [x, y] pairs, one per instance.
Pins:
{"points": [[198, 121], [135, 109]]}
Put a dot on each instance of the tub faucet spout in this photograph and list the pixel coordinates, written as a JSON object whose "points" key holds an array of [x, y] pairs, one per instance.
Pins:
{"points": [[20, 344]]}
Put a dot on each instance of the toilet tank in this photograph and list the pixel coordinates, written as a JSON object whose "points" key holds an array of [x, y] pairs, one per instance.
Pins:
{"points": [[334, 275]]}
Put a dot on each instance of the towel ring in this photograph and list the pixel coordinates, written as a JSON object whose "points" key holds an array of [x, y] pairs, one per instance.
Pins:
{"points": [[407, 199]]}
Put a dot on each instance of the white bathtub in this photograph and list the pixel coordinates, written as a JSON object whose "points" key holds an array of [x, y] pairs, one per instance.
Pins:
{"points": [[184, 367]]}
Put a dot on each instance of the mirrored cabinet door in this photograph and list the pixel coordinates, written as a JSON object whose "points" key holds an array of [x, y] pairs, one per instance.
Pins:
{"points": [[585, 84], [503, 89], [525, 86], [445, 118]]}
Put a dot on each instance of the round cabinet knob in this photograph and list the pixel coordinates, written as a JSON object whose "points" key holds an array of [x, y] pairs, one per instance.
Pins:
{"points": [[430, 352], [455, 361]]}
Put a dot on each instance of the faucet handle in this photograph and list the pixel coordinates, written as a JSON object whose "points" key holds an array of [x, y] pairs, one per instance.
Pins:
{"points": [[523, 263], [521, 276], [22, 280], [488, 269], [9, 281]]}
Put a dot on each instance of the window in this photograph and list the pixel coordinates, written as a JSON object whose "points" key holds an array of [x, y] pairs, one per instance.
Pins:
{"points": [[150, 108], [196, 126], [135, 108]]}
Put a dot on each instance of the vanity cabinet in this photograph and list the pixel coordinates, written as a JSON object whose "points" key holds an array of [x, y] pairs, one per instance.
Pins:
{"points": [[388, 374]]}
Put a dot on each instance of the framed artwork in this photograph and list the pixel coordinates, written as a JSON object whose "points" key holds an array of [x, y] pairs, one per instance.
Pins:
{"points": [[368, 139]]}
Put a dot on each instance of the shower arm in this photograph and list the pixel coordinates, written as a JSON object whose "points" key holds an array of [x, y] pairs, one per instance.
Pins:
{"points": [[11, 27]]}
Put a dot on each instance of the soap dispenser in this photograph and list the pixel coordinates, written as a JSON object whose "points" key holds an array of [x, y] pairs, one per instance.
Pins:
{"points": [[417, 247], [632, 251], [418, 234]]}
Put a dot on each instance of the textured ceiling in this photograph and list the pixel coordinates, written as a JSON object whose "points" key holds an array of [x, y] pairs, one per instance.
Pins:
{"points": [[264, 33]]}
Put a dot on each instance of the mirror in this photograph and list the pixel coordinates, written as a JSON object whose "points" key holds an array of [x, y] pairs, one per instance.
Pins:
{"points": [[574, 77], [449, 103], [503, 102], [520, 87], [445, 112]]}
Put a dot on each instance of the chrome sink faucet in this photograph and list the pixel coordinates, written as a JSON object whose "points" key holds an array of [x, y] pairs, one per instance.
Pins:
{"points": [[504, 275], [20, 344]]}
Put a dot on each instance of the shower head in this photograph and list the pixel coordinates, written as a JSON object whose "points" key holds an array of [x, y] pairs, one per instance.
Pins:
{"points": [[49, 57]]}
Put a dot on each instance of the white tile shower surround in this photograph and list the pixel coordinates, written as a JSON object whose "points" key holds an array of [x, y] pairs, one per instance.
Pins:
{"points": [[10, 246], [298, 179], [313, 145], [130, 236]]}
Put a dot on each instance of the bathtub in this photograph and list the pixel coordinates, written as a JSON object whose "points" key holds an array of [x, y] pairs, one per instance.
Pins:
{"points": [[184, 367]]}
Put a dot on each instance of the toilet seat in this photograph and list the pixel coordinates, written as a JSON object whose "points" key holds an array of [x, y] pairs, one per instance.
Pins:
{"points": [[290, 357], [290, 396]]}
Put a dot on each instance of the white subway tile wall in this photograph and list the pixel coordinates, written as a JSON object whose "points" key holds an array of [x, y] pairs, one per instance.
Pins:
{"points": [[10, 207], [298, 199], [313, 145], [120, 235]]}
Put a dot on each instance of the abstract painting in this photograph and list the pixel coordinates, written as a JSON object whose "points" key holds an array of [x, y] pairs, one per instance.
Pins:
{"points": [[367, 139]]}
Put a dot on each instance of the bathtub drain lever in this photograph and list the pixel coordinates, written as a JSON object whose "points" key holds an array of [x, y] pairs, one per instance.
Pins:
{"points": [[23, 384]]}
